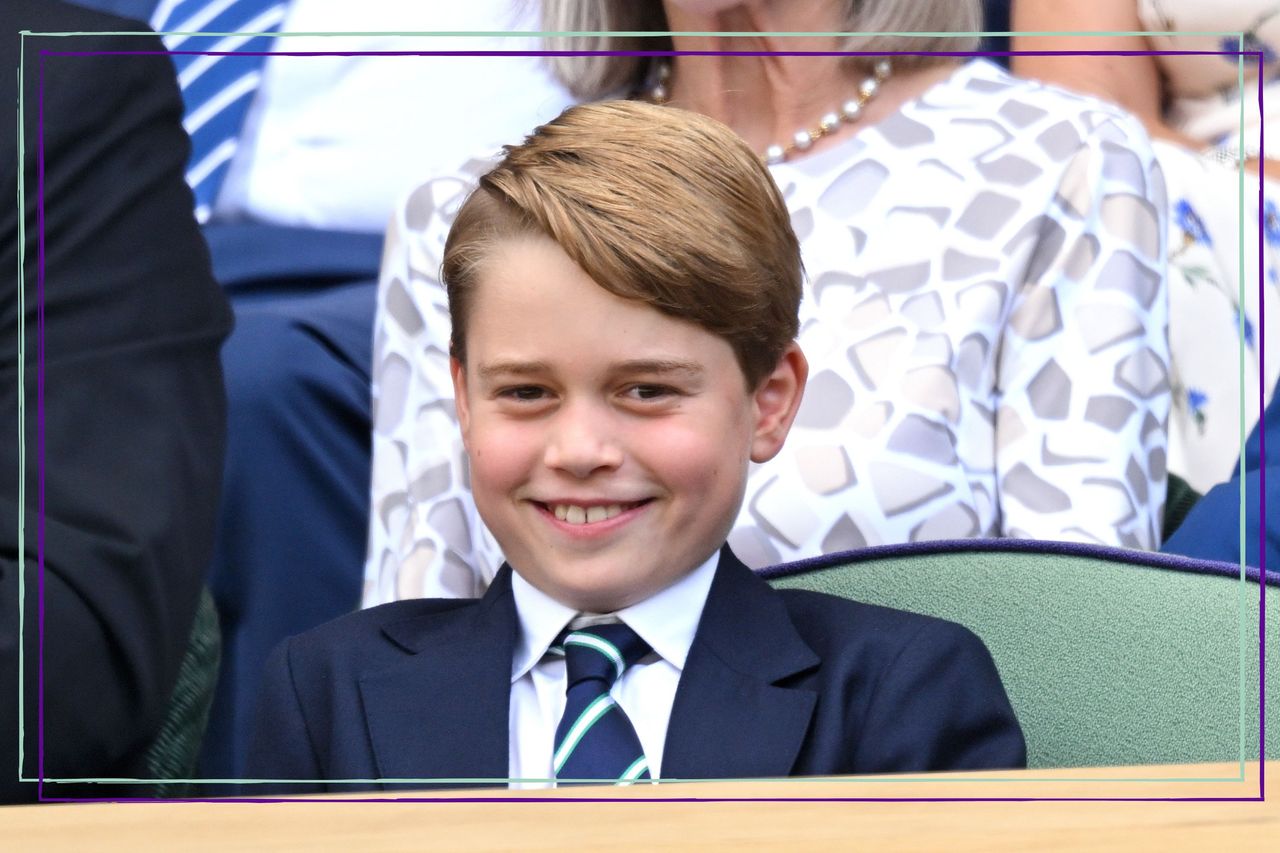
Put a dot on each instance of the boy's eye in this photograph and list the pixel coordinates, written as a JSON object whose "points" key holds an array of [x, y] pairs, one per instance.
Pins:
{"points": [[524, 393], [649, 392]]}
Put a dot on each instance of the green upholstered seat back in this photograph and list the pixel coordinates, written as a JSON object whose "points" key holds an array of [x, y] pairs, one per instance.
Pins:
{"points": [[1110, 657]]}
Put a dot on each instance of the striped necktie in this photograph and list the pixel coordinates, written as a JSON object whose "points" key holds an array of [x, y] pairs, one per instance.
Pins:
{"points": [[216, 90], [595, 740]]}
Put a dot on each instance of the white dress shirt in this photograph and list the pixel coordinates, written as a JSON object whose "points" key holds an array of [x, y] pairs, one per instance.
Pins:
{"points": [[666, 620], [335, 141]]}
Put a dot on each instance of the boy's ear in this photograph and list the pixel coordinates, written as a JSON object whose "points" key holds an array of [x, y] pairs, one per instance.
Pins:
{"points": [[458, 372], [776, 401]]}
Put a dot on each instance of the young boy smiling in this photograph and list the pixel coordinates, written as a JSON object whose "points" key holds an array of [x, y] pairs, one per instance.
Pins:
{"points": [[624, 289]]}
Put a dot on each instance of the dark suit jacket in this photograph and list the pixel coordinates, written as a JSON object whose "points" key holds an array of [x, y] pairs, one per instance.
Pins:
{"points": [[133, 403], [777, 683]]}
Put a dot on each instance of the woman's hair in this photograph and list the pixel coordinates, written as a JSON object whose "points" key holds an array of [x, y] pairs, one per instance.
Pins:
{"points": [[592, 77], [659, 205]]}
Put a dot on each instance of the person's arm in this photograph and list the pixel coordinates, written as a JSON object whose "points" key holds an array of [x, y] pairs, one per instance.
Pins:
{"points": [[124, 449], [1133, 82], [1082, 366], [425, 539]]}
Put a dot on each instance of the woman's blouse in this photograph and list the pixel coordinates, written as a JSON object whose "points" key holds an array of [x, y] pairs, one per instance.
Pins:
{"points": [[984, 316]]}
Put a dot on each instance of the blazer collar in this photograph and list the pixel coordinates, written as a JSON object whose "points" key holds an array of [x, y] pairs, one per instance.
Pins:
{"points": [[445, 715], [732, 718]]}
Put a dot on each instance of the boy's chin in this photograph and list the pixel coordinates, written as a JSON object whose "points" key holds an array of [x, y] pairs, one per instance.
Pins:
{"points": [[597, 600], [601, 597], [599, 582]]}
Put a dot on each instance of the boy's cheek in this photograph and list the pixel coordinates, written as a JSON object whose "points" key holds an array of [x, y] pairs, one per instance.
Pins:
{"points": [[499, 457], [698, 458]]}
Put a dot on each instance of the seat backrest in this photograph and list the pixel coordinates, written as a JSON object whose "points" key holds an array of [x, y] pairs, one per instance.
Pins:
{"points": [[1109, 656]]}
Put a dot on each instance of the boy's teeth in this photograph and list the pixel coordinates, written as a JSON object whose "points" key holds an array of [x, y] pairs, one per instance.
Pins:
{"points": [[585, 515]]}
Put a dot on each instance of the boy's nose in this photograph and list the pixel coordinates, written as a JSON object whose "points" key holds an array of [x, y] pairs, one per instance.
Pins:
{"points": [[582, 442]]}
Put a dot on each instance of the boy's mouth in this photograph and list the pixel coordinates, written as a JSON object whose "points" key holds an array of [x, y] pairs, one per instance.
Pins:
{"points": [[572, 513]]}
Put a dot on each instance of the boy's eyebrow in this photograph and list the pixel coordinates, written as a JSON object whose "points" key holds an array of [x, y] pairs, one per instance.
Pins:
{"points": [[512, 368], [659, 366]]}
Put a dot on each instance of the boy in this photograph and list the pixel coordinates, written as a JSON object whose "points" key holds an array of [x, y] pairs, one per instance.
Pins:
{"points": [[624, 289]]}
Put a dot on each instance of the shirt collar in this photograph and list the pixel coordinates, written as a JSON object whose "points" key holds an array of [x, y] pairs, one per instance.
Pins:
{"points": [[542, 618], [667, 620]]}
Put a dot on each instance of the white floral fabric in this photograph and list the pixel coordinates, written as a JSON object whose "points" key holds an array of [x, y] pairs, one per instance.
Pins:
{"points": [[1221, 352], [984, 316]]}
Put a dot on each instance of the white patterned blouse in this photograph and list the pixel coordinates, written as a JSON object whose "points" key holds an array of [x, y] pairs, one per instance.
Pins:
{"points": [[984, 317]]}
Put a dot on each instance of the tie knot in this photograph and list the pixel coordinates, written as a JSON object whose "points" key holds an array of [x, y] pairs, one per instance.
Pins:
{"points": [[601, 652]]}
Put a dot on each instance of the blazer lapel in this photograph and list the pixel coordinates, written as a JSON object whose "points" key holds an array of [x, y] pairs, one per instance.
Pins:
{"points": [[731, 718], [442, 713]]}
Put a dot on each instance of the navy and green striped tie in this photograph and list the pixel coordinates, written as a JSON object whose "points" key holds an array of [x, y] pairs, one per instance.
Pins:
{"points": [[595, 740]]}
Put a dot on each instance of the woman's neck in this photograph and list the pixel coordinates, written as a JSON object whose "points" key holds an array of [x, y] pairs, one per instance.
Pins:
{"points": [[766, 99]]}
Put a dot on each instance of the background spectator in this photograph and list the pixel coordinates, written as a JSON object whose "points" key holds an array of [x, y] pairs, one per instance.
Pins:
{"points": [[131, 401]]}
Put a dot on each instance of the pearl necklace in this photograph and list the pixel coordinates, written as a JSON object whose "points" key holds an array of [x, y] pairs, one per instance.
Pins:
{"points": [[802, 140]]}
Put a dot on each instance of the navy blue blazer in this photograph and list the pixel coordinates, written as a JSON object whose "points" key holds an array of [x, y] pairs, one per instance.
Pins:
{"points": [[777, 683]]}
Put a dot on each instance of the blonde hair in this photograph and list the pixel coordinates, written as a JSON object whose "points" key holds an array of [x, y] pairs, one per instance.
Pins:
{"points": [[660, 205], [592, 77]]}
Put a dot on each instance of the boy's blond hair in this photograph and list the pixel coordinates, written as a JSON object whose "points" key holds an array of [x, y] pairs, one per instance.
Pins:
{"points": [[656, 204]]}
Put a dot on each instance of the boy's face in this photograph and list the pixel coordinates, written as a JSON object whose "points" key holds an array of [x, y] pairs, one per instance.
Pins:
{"points": [[608, 442]]}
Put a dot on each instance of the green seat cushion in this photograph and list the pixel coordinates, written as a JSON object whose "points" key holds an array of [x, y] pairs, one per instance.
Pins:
{"points": [[1109, 656]]}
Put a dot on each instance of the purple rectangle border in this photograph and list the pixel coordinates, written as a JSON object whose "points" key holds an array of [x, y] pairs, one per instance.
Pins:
{"points": [[979, 544]]}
